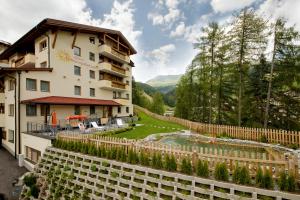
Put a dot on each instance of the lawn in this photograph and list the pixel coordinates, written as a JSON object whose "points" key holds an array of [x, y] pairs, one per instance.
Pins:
{"points": [[150, 126]]}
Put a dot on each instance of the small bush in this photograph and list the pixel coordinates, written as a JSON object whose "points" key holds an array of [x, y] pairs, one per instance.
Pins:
{"points": [[34, 191], [186, 166], [202, 169], [93, 168], [244, 177], [29, 180], [282, 181], [291, 183], [221, 172], [144, 159], [236, 174], [157, 161], [287, 182], [259, 177], [268, 180]]}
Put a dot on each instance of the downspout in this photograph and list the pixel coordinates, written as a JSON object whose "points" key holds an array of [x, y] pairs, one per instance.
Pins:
{"points": [[19, 112], [15, 119]]}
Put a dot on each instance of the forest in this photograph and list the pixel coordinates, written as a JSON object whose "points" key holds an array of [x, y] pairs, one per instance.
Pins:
{"points": [[245, 73]]}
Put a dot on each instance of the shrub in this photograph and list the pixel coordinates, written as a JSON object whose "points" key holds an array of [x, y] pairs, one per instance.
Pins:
{"points": [[186, 166], [133, 157], [202, 169], [29, 180], [170, 163], [144, 159], [221, 172], [93, 168], [34, 191], [157, 161], [259, 177], [236, 174], [282, 182], [268, 180], [244, 176], [291, 183]]}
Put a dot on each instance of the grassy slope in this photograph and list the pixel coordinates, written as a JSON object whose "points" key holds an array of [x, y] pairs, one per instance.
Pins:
{"points": [[148, 128]]}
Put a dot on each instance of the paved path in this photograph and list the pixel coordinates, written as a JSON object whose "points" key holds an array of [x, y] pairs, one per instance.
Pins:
{"points": [[9, 171]]}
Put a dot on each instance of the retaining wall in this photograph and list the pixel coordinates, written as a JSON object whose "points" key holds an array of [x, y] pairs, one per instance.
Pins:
{"points": [[106, 179]]}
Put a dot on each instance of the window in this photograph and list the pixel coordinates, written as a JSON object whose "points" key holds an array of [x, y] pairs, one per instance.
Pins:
{"points": [[119, 109], [127, 109], [11, 136], [43, 45], [101, 58], [127, 96], [92, 74], [2, 108], [77, 51], [32, 155], [43, 65], [44, 108], [30, 110], [11, 85], [114, 94], [3, 134], [77, 90], [77, 70], [92, 92], [127, 82], [92, 40], [119, 94], [30, 84], [92, 110], [92, 56], [77, 110], [11, 109], [45, 86]]}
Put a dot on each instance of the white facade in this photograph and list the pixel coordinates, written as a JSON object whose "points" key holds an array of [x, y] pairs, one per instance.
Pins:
{"points": [[53, 61]]}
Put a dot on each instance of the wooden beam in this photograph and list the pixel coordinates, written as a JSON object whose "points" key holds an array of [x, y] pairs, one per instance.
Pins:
{"points": [[118, 43], [104, 38], [74, 39], [54, 40]]}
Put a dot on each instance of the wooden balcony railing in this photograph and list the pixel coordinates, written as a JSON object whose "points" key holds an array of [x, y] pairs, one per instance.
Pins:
{"points": [[20, 62], [117, 84], [118, 69]]}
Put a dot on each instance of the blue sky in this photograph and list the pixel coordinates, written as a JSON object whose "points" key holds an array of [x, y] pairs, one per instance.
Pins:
{"points": [[162, 31]]}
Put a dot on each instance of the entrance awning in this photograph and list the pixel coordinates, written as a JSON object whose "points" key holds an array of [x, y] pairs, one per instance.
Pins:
{"points": [[57, 100]]}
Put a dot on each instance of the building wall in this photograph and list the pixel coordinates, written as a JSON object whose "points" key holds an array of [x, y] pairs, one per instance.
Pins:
{"points": [[62, 80]]}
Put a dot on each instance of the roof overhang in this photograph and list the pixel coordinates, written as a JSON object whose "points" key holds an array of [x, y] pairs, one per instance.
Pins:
{"points": [[19, 69], [53, 24], [58, 100]]}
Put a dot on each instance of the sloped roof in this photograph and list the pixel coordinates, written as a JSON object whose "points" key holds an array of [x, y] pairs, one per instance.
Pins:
{"points": [[55, 24]]}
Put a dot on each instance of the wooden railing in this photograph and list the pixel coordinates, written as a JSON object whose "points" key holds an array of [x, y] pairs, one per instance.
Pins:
{"points": [[117, 84], [276, 136], [252, 160], [117, 69]]}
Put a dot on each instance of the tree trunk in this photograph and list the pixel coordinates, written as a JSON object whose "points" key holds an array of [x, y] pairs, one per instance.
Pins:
{"points": [[220, 94], [240, 65], [270, 81]]}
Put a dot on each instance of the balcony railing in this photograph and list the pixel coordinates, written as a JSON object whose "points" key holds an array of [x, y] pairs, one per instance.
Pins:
{"points": [[113, 53], [113, 69], [27, 61], [119, 85], [112, 85]]}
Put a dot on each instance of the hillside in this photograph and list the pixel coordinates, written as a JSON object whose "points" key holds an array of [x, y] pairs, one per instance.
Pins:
{"points": [[164, 80]]}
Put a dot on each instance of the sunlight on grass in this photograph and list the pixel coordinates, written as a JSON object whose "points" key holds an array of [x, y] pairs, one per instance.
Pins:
{"points": [[150, 126]]}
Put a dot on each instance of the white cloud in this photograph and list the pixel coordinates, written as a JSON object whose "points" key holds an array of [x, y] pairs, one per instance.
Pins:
{"points": [[229, 5], [179, 30], [172, 14], [289, 9], [17, 17]]}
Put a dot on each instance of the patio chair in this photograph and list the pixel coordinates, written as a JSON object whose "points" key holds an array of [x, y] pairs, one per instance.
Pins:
{"points": [[120, 123], [83, 129], [98, 128]]}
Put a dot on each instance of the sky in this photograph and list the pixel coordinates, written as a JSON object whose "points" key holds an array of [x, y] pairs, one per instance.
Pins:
{"points": [[162, 31]]}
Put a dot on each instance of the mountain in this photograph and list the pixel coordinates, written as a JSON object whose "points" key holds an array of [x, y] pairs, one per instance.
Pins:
{"points": [[168, 92], [164, 80]]}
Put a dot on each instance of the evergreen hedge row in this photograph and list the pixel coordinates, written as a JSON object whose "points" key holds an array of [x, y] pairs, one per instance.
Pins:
{"points": [[170, 163]]}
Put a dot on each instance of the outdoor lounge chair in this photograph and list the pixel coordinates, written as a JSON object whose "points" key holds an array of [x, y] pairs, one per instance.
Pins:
{"points": [[120, 123], [98, 128], [83, 129]]}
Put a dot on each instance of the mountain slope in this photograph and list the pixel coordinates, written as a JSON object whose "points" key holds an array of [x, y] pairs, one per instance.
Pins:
{"points": [[164, 80]]}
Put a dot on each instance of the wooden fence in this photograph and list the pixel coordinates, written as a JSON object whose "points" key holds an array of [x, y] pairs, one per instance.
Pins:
{"points": [[252, 160], [276, 136]]}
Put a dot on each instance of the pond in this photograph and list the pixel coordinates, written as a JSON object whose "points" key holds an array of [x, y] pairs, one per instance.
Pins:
{"points": [[208, 146]]}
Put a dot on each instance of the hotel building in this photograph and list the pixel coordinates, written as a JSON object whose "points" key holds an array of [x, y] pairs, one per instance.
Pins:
{"points": [[64, 67]]}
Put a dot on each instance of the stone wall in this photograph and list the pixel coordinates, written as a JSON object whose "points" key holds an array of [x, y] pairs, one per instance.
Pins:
{"points": [[89, 177]]}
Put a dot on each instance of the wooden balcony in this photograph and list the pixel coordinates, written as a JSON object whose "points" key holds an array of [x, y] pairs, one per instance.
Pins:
{"points": [[27, 61], [113, 69], [113, 53], [113, 85]]}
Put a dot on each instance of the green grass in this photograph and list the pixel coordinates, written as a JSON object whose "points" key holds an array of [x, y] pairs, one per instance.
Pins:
{"points": [[149, 128]]}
